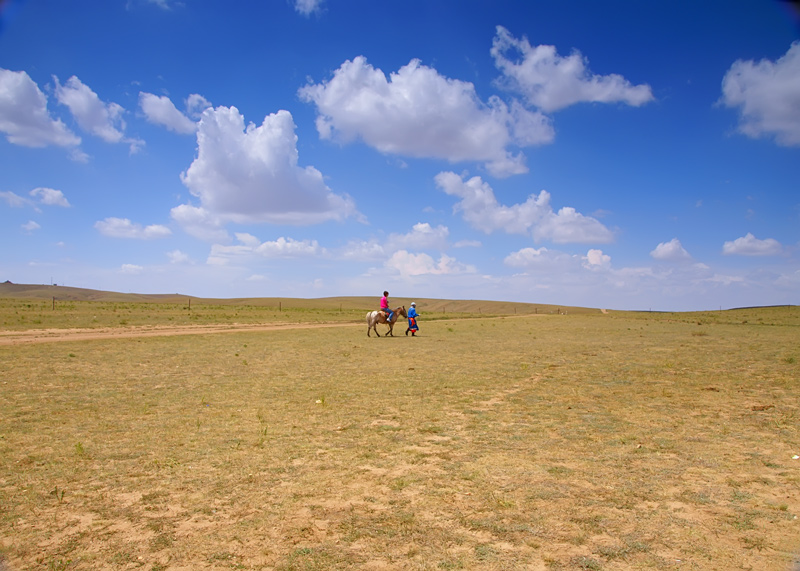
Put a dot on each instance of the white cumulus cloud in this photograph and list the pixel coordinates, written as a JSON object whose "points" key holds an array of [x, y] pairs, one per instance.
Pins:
{"points": [[14, 200], [552, 82], [749, 245], [249, 174], [409, 265], [160, 110], [124, 228], [250, 246], [767, 95], [94, 116], [308, 7], [423, 236], [289, 248], [536, 217], [50, 197], [363, 250], [196, 104], [417, 112], [103, 120], [672, 251], [46, 196], [24, 117], [596, 259], [30, 226], [200, 223], [541, 258], [177, 257]]}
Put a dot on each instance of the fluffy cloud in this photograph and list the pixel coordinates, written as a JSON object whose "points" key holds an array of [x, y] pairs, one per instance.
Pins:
{"points": [[200, 223], [422, 237], [159, 110], [196, 104], [124, 228], [596, 259], [536, 257], [95, 117], [249, 246], [101, 119], [177, 257], [13, 200], [50, 197], [288, 248], [363, 250], [410, 265], [749, 245], [46, 196], [542, 259], [250, 174], [418, 113], [768, 96], [24, 117], [308, 7], [552, 82], [671, 251], [536, 217], [30, 226]]}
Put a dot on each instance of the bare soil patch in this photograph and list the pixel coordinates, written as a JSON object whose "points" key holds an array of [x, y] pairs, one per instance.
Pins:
{"points": [[53, 335]]}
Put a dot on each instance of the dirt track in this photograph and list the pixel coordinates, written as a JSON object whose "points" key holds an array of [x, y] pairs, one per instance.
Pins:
{"points": [[52, 335]]}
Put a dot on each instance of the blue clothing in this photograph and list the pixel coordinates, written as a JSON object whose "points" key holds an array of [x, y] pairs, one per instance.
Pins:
{"points": [[412, 319]]}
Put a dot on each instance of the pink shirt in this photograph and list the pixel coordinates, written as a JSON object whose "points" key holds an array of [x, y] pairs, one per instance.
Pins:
{"points": [[384, 303]]}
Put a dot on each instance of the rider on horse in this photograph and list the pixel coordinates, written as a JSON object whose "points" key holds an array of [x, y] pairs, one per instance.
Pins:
{"points": [[385, 306]]}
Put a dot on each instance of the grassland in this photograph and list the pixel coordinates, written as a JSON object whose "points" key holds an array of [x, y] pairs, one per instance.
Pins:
{"points": [[537, 441]]}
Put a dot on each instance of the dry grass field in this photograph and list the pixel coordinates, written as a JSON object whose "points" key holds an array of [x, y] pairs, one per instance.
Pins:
{"points": [[535, 440]]}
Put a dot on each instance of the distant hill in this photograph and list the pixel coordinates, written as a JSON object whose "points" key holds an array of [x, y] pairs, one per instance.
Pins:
{"points": [[36, 291], [65, 293]]}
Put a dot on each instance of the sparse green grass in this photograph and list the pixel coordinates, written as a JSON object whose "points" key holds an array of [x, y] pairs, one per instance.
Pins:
{"points": [[619, 441]]}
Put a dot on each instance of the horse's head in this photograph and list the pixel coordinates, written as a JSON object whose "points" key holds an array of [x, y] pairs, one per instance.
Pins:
{"points": [[402, 311]]}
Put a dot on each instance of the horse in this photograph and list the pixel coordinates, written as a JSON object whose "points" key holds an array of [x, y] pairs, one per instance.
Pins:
{"points": [[375, 317]]}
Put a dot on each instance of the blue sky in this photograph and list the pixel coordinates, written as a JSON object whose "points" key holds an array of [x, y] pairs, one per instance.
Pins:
{"points": [[621, 155]]}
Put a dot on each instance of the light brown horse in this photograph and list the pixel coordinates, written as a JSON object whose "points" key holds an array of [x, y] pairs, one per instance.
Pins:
{"points": [[375, 317]]}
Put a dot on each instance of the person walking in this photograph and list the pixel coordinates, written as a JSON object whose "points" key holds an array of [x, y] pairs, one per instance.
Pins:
{"points": [[412, 319]]}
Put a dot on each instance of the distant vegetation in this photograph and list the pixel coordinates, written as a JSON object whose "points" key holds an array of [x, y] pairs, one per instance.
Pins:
{"points": [[60, 306], [48, 306]]}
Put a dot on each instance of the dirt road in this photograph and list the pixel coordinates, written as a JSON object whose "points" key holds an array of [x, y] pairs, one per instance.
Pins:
{"points": [[53, 335]]}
